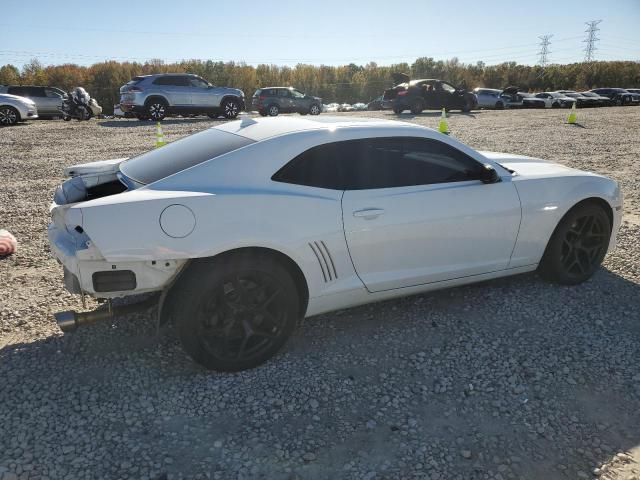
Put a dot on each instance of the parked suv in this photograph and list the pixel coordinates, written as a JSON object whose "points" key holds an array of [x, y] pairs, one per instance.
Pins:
{"points": [[155, 96], [273, 100], [48, 100]]}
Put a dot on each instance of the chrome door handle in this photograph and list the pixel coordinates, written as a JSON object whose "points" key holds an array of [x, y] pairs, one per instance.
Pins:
{"points": [[368, 213]]}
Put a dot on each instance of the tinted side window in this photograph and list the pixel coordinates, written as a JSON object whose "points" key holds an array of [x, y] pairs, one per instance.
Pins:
{"points": [[379, 163], [404, 161], [283, 93], [19, 91], [36, 92], [317, 167]]}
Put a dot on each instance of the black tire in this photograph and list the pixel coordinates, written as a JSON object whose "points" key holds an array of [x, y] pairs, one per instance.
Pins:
{"points": [[156, 109], [468, 105], [578, 245], [66, 118], [9, 115], [417, 107], [273, 110], [236, 312], [499, 106], [397, 110], [555, 105], [315, 109], [230, 108]]}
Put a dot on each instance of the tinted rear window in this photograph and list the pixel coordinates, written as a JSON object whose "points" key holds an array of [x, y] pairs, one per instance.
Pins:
{"points": [[135, 80], [182, 154], [258, 92]]}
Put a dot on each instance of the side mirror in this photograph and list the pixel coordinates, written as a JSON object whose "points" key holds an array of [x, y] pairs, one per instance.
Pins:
{"points": [[488, 174]]}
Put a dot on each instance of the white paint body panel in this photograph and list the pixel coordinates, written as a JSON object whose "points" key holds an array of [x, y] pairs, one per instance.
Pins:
{"points": [[428, 236]]}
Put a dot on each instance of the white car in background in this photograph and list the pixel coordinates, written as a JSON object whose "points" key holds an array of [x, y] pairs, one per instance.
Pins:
{"points": [[249, 226], [555, 100], [14, 109]]}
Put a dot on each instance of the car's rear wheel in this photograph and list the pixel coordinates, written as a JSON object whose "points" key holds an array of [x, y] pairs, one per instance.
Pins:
{"points": [[157, 110], [230, 108], [315, 109], [9, 115], [273, 110], [578, 245], [236, 312]]}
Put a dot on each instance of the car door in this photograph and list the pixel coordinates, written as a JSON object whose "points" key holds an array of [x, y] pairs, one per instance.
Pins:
{"points": [[52, 101], [414, 213], [177, 88], [285, 101], [202, 94]]}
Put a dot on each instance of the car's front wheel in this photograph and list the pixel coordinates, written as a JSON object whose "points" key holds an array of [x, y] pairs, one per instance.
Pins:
{"points": [[578, 245], [230, 108], [236, 312], [9, 115], [315, 109]]}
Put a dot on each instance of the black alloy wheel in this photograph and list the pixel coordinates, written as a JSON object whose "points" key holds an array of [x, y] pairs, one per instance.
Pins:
{"points": [[230, 108], [8, 115], [157, 111], [578, 245], [237, 314]]}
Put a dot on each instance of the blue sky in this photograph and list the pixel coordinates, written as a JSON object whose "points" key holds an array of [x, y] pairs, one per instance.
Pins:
{"points": [[330, 32]]}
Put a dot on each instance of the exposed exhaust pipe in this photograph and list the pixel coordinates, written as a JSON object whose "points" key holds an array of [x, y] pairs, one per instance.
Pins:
{"points": [[70, 320]]}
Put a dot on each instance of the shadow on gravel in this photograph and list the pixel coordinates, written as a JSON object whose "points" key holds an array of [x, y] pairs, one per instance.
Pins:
{"points": [[408, 116], [512, 377], [130, 123]]}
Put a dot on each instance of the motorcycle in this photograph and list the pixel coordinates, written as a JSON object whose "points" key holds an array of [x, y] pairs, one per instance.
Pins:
{"points": [[78, 104]]}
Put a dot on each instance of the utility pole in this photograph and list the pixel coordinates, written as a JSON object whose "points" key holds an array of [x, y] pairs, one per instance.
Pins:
{"points": [[545, 41], [591, 40]]}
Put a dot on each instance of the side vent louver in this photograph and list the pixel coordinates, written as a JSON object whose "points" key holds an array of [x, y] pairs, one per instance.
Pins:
{"points": [[325, 260]]}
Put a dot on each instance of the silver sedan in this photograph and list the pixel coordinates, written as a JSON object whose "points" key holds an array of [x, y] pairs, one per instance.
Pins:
{"points": [[14, 109]]}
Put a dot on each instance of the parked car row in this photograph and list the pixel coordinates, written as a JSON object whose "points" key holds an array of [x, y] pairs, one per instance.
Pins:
{"points": [[510, 97], [153, 97]]}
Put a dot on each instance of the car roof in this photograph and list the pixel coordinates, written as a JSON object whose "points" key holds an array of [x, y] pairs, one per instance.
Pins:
{"points": [[258, 129]]}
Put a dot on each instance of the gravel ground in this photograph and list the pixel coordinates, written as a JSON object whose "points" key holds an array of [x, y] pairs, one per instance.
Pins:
{"points": [[509, 379]]}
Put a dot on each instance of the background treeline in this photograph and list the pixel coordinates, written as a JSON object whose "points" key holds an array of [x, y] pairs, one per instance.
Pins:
{"points": [[349, 83]]}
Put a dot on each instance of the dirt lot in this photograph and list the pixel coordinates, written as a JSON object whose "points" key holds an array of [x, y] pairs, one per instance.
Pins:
{"points": [[510, 379]]}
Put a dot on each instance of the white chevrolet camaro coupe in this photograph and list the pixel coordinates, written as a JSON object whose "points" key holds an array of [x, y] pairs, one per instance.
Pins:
{"points": [[247, 227]]}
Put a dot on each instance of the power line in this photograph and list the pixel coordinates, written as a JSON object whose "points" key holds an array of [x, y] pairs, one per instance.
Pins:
{"points": [[591, 39], [545, 41]]}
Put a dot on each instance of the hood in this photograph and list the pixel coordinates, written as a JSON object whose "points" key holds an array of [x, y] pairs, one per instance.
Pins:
{"points": [[530, 167], [17, 98], [400, 78]]}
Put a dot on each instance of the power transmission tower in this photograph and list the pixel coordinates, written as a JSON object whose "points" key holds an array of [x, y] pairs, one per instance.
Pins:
{"points": [[544, 52], [591, 40]]}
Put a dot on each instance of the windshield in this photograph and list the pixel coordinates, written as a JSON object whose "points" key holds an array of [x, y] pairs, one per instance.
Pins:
{"points": [[180, 155]]}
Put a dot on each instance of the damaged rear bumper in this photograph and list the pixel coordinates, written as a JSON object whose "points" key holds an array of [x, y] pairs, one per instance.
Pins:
{"points": [[87, 272]]}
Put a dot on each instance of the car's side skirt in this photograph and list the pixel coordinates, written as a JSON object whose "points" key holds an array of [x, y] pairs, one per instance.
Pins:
{"points": [[360, 296]]}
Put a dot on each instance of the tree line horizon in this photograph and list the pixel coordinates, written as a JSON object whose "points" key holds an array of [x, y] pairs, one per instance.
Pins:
{"points": [[342, 84]]}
